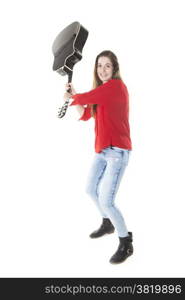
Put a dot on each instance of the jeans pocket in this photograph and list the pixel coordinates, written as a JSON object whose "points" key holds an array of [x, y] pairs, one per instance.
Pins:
{"points": [[125, 153]]}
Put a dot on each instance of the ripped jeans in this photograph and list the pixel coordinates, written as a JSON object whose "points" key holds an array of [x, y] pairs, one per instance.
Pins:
{"points": [[103, 182]]}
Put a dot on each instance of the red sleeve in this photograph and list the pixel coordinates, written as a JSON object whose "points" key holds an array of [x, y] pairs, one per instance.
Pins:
{"points": [[86, 114], [100, 95]]}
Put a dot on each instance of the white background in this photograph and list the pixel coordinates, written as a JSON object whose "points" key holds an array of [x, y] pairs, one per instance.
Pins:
{"points": [[45, 215]]}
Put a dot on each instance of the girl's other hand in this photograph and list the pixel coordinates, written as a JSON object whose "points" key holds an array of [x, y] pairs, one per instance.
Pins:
{"points": [[71, 87], [69, 91], [66, 96]]}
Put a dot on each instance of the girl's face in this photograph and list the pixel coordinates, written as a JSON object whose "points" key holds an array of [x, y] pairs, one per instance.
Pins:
{"points": [[104, 69]]}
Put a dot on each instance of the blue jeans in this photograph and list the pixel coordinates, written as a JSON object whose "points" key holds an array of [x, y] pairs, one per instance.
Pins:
{"points": [[103, 182]]}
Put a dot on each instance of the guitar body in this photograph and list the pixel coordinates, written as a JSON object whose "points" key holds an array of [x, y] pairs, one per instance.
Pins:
{"points": [[67, 48]]}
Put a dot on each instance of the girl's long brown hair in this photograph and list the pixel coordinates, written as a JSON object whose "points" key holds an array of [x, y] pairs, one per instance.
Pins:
{"points": [[97, 81]]}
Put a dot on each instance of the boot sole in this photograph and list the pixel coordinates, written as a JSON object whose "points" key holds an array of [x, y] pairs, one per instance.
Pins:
{"points": [[96, 237], [121, 261]]}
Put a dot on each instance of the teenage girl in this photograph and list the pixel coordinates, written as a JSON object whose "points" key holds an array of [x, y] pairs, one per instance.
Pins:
{"points": [[108, 104]]}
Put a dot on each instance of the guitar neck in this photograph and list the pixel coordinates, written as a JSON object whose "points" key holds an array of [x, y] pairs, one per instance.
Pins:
{"points": [[70, 75]]}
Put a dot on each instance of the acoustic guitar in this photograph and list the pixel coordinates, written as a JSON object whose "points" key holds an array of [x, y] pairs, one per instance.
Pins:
{"points": [[67, 50]]}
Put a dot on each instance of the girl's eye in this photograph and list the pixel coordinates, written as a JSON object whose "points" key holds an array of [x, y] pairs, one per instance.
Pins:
{"points": [[107, 66]]}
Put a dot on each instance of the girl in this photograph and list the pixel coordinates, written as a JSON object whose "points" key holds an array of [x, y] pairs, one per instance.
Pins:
{"points": [[108, 104]]}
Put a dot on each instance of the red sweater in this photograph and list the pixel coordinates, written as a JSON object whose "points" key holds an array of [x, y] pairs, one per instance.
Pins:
{"points": [[112, 114]]}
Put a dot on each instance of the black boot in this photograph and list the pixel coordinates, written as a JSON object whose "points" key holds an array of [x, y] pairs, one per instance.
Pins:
{"points": [[106, 227], [125, 249]]}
